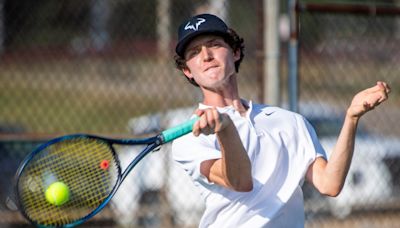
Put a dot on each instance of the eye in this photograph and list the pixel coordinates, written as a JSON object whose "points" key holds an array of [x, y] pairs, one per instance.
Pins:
{"points": [[215, 43], [192, 53]]}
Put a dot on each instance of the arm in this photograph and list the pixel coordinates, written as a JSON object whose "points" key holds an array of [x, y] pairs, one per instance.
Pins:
{"points": [[329, 177], [233, 169]]}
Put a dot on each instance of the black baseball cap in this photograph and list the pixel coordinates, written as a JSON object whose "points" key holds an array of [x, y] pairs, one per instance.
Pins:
{"points": [[197, 25]]}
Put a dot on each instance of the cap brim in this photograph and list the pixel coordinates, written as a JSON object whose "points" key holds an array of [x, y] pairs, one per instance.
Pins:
{"points": [[182, 44]]}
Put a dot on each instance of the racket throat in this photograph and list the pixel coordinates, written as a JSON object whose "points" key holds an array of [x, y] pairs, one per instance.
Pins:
{"points": [[159, 141]]}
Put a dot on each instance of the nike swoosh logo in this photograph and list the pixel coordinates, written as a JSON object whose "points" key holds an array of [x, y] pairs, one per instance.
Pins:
{"points": [[268, 114]]}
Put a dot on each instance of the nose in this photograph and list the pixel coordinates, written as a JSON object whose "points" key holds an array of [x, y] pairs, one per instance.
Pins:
{"points": [[206, 53]]}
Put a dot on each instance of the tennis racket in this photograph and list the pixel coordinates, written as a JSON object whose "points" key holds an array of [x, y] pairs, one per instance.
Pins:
{"points": [[88, 165]]}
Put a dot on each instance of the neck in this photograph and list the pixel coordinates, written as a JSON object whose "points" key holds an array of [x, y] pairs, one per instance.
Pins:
{"points": [[226, 96]]}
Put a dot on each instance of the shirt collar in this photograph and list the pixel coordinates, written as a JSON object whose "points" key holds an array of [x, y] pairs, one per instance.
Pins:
{"points": [[230, 108]]}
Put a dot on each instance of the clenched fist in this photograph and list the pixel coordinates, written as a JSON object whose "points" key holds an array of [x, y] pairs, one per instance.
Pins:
{"points": [[210, 122]]}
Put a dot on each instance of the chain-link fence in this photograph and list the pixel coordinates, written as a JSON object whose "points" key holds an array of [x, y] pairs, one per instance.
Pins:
{"points": [[106, 67], [344, 48], [92, 65]]}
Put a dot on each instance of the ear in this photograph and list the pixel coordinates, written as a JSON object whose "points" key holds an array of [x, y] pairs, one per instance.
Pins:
{"points": [[186, 71], [236, 54]]}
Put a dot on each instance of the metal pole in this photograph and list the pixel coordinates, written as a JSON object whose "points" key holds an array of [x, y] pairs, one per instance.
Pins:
{"points": [[220, 8], [271, 50], [2, 26], [163, 28], [293, 57], [100, 13]]}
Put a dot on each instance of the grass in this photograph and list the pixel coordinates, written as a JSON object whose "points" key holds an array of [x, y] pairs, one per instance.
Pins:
{"points": [[99, 95], [70, 96]]}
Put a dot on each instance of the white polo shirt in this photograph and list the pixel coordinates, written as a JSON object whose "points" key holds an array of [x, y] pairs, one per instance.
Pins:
{"points": [[280, 144]]}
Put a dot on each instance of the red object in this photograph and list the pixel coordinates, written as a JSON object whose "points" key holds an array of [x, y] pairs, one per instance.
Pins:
{"points": [[104, 164]]}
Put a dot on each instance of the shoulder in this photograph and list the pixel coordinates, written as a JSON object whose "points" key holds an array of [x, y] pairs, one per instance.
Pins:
{"points": [[275, 112], [273, 118]]}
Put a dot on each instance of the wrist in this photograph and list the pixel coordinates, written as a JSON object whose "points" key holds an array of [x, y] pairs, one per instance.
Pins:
{"points": [[226, 124], [351, 117]]}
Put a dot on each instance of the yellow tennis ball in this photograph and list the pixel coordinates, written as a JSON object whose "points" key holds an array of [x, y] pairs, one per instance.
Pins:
{"points": [[57, 193]]}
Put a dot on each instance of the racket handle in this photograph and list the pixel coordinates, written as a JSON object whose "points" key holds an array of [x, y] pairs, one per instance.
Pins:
{"points": [[178, 131]]}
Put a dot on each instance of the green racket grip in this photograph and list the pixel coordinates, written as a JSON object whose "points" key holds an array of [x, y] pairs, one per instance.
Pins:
{"points": [[178, 131]]}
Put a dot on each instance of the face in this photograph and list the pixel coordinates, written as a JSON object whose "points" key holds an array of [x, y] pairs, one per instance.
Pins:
{"points": [[210, 61]]}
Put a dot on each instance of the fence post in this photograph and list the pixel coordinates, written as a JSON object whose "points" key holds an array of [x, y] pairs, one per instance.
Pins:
{"points": [[163, 28], [293, 56], [2, 26], [271, 50]]}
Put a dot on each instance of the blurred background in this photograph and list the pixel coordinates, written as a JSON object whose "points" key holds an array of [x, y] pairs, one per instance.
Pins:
{"points": [[106, 67]]}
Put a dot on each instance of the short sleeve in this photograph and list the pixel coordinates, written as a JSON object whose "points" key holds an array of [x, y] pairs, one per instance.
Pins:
{"points": [[190, 151], [303, 147], [320, 152]]}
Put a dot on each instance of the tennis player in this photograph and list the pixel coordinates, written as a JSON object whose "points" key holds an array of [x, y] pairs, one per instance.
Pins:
{"points": [[250, 160]]}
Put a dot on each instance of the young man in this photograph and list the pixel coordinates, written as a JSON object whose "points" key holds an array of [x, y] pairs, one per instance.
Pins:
{"points": [[250, 160]]}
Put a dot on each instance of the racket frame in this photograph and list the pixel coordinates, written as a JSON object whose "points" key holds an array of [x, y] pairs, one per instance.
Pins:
{"points": [[151, 144]]}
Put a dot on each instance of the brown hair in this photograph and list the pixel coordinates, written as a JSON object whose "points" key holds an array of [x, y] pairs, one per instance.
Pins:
{"points": [[232, 39]]}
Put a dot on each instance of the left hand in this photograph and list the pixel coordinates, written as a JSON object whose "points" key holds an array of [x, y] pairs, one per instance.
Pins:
{"points": [[368, 99]]}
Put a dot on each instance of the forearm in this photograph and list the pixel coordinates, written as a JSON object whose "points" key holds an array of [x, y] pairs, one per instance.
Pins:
{"points": [[329, 177], [235, 165], [233, 169], [339, 162]]}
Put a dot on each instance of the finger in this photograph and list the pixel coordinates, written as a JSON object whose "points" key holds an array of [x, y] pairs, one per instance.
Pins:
{"points": [[383, 97], [203, 121], [367, 106], [211, 119], [376, 100], [386, 87], [374, 88], [378, 93], [380, 86], [383, 94], [218, 120], [196, 128], [199, 112]]}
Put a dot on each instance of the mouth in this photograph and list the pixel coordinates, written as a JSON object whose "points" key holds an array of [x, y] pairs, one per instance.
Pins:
{"points": [[210, 67]]}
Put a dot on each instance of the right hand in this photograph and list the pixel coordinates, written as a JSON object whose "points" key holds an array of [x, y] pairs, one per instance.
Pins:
{"points": [[210, 122]]}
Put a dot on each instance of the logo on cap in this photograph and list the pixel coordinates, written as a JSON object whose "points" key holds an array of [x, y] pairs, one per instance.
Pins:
{"points": [[196, 26]]}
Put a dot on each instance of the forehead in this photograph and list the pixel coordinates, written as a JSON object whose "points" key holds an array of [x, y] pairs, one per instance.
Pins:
{"points": [[201, 39]]}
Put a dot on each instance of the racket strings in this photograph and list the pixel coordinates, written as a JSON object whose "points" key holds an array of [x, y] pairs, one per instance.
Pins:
{"points": [[77, 163]]}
